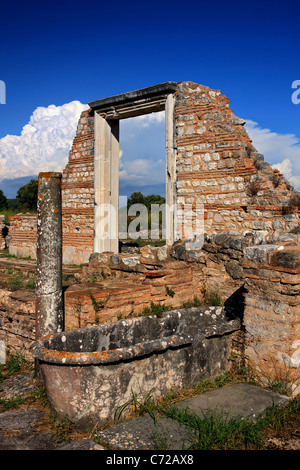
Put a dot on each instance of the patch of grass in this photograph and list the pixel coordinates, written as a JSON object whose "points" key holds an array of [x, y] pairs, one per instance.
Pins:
{"points": [[196, 302], [253, 188], [276, 180], [279, 418], [15, 364], [15, 282], [216, 431], [5, 254], [188, 304], [293, 205], [11, 404], [30, 284], [212, 298], [137, 406], [61, 428]]}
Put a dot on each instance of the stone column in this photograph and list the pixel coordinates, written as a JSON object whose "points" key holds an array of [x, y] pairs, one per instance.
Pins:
{"points": [[49, 298]]}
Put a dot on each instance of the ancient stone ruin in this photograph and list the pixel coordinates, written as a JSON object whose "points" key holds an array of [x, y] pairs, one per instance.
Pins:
{"points": [[248, 261]]}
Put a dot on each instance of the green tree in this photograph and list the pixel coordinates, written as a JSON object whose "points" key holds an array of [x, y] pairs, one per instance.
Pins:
{"points": [[154, 199], [3, 201], [27, 195], [139, 198]]}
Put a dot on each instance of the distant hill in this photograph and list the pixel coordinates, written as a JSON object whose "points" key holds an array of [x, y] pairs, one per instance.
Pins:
{"points": [[127, 190]]}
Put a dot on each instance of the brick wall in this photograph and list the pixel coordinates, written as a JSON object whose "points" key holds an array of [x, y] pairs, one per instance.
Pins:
{"points": [[77, 204], [78, 195], [22, 234]]}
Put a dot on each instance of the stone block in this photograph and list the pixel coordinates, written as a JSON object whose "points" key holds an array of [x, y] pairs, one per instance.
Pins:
{"points": [[259, 253], [288, 258]]}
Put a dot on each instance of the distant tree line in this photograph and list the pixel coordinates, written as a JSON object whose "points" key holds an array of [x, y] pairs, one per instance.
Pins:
{"points": [[139, 198], [26, 199]]}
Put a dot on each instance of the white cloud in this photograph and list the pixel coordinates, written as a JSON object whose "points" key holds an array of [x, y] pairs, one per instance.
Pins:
{"points": [[141, 171], [44, 142], [282, 151], [146, 120]]}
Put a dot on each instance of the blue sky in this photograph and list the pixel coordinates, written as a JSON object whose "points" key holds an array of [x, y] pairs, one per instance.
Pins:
{"points": [[57, 53]]}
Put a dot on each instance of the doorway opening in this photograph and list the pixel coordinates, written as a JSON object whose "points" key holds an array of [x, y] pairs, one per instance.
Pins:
{"points": [[142, 182]]}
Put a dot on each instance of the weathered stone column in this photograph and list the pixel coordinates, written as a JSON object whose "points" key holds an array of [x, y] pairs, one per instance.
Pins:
{"points": [[49, 298]]}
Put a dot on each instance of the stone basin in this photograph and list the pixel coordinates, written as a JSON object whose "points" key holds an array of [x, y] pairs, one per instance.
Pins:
{"points": [[90, 372]]}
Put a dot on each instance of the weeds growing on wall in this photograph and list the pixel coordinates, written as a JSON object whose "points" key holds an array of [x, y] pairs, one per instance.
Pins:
{"points": [[155, 309], [97, 306]]}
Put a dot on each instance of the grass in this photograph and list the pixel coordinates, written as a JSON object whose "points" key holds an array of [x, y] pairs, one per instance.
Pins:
{"points": [[215, 430], [97, 306], [61, 428], [9, 212], [212, 298], [207, 431], [141, 242], [170, 292], [15, 364], [15, 281], [196, 302]]}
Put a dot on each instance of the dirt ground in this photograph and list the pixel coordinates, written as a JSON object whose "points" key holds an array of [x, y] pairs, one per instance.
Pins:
{"points": [[30, 426], [284, 438]]}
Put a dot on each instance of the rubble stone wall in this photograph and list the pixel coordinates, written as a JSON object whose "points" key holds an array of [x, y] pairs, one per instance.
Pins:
{"points": [[272, 309], [218, 166]]}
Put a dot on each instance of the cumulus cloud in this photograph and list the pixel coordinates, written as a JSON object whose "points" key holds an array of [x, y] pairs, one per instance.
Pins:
{"points": [[44, 142], [145, 120], [141, 171], [282, 151]]}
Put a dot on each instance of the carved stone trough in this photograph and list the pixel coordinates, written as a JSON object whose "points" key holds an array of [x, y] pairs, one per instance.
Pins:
{"points": [[90, 372]]}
